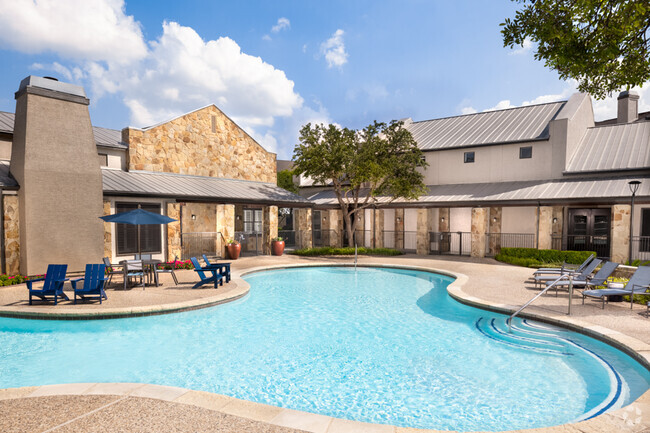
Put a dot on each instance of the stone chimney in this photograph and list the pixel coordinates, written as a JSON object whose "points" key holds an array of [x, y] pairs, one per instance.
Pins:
{"points": [[54, 160], [628, 107]]}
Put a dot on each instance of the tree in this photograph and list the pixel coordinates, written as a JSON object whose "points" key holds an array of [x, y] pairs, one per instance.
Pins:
{"points": [[379, 160], [603, 44], [285, 181]]}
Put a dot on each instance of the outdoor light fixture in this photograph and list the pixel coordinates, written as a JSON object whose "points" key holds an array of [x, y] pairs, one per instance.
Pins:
{"points": [[442, 219], [193, 216], [494, 219], [554, 220], [634, 187], [399, 219], [238, 217]]}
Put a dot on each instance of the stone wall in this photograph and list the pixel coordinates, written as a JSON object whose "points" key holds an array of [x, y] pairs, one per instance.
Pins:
{"points": [[174, 232], [545, 233], [620, 236], [422, 241], [202, 143], [11, 219], [108, 233], [479, 227], [333, 223], [495, 228], [379, 228], [443, 219], [399, 229], [226, 223], [303, 234], [269, 227]]}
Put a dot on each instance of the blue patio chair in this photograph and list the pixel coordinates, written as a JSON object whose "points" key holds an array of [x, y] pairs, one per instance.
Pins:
{"points": [[216, 277], [52, 286], [224, 267], [638, 284], [583, 274], [583, 282], [94, 281]]}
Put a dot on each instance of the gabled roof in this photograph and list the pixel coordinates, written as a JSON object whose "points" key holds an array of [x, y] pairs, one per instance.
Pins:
{"points": [[103, 136], [613, 148], [519, 124], [180, 186]]}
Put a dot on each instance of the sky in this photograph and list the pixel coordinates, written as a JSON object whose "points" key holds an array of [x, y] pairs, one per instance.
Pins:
{"points": [[273, 66]]}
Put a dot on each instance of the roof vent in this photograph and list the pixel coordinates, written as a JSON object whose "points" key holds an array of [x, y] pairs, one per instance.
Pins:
{"points": [[628, 107], [51, 78]]}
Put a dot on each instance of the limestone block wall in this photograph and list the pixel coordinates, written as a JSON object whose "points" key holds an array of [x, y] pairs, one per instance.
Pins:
{"points": [[202, 143], [226, 223], [479, 227], [379, 228], [620, 235], [174, 232], [494, 246], [108, 233], [333, 222], [199, 217], [399, 229], [304, 235], [422, 240], [269, 227], [443, 219], [545, 233], [11, 234]]}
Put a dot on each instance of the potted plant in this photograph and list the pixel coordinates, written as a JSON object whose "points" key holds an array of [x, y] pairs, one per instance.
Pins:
{"points": [[277, 246], [234, 248]]}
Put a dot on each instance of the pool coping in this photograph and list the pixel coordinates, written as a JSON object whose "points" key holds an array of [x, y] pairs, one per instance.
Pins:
{"points": [[322, 423]]}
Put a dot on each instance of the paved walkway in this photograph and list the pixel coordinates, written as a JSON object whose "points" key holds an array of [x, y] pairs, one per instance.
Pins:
{"points": [[149, 408]]}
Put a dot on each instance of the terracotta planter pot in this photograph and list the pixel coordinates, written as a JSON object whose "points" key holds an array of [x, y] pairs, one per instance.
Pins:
{"points": [[233, 250], [277, 248]]}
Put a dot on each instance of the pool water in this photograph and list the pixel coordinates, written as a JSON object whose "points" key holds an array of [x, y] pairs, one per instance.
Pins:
{"points": [[376, 345]]}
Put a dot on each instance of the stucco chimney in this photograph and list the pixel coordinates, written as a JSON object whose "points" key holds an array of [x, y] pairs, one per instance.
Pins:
{"points": [[54, 160], [628, 107]]}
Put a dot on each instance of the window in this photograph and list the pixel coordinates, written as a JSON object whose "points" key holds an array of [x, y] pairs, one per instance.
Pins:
{"points": [[127, 234], [103, 160], [644, 244], [526, 152], [252, 220], [469, 157]]}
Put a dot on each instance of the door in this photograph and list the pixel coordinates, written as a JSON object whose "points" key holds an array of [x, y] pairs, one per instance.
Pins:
{"points": [[588, 230]]}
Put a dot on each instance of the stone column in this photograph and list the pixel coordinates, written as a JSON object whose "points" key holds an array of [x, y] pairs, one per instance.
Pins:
{"points": [[494, 244], [422, 240], [557, 227], [379, 228], [108, 234], [11, 220], [269, 227], [545, 233], [334, 226], [360, 228], [620, 235], [304, 234], [399, 229], [174, 248], [225, 225], [443, 219], [479, 226]]}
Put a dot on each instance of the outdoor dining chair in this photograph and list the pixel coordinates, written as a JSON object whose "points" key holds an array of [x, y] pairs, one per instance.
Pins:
{"points": [[133, 269]]}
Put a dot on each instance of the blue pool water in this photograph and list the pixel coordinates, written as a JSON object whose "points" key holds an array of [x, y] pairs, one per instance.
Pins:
{"points": [[376, 345]]}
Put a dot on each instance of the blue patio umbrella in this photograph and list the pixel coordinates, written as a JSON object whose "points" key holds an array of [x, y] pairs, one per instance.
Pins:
{"points": [[138, 217]]}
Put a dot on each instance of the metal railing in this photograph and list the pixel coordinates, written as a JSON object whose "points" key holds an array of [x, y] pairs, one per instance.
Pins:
{"points": [[562, 277], [495, 241], [641, 248], [599, 244], [251, 243], [326, 238], [194, 244], [289, 237], [405, 241], [454, 243]]}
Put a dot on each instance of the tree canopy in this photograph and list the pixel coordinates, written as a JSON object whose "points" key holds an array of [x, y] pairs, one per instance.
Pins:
{"points": [[285, 181], [379, 160], [603, 44]]}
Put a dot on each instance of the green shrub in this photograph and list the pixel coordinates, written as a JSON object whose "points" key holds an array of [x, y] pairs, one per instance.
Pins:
{"points": [[532, 257], [345, 251]]}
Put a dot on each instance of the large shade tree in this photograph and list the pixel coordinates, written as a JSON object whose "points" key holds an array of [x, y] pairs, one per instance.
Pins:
{"points": [[379, 160], [603, 44]]}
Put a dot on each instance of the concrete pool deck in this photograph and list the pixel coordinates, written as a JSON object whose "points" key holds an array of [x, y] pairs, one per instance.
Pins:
{"points": [[139, 407]]}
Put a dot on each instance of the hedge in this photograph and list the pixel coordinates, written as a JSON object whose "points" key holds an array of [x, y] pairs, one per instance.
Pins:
{"points": [[532, 257], [346, 251]]}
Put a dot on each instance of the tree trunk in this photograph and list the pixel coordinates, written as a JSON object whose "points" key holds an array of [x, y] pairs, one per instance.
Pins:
{"points": [[350, 224]]}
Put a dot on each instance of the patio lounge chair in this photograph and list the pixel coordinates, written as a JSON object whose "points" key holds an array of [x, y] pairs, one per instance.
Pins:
{"points": [[166, 271], [580, 282], [224, 268], [216, 277], [52, 286], [584, 274], [565, 267], [638, 284], [94, 281], [133, 269], [112, 270]]}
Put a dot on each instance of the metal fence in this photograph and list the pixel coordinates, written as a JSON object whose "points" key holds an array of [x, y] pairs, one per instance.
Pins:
{"points": [[599, 244], [641, 248], [289, 238], [251, 243], [196, 243], [454, 243], [495, 241]]}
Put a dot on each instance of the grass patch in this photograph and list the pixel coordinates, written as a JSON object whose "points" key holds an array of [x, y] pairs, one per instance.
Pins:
{"points": [[345, 251]]}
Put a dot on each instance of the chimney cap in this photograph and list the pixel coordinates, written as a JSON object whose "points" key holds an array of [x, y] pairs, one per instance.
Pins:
{"points": [[51, 84], [628, 94]]}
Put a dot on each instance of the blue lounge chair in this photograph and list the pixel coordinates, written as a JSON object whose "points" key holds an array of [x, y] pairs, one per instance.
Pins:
{"points": [[52, 286], [224, 268], [94, 281], [638, 284], [565, 268], [584, 274], [216, 277], [582, 282]]}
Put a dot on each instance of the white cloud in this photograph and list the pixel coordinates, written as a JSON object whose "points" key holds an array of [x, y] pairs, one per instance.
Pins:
{"points": [[523, 49], [96, 30], [283, 23], [334, 50], [468, 110], [501, 105], [266, 38], [74, 74]]}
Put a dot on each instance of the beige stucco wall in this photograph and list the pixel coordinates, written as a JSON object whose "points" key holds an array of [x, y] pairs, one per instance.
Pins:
{"points": [[188, 145], [460, 219], [11, 220], [5, 148], [519, 219]]}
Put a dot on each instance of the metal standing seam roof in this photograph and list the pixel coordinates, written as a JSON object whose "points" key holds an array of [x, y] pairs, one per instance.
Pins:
{"points": [[613, 147], [491, 127], [103, 136], [6, 180], [180, 186], [521, 191]]}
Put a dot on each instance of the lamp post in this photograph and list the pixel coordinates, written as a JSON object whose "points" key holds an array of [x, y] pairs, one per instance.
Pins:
{"points": [[634, 187]]}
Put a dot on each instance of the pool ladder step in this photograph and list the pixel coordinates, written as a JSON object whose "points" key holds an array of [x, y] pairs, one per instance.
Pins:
{"points": [[523, 336]]}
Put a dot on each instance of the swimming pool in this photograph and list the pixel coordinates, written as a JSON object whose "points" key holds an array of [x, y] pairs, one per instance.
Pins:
{"points": [[377, 345]]}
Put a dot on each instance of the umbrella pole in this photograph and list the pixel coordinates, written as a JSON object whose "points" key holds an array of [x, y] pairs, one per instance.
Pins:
{"points": [[139, 246]]}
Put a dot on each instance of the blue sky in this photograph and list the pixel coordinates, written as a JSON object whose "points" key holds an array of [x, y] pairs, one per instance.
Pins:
{"points": [[274, 65]]}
